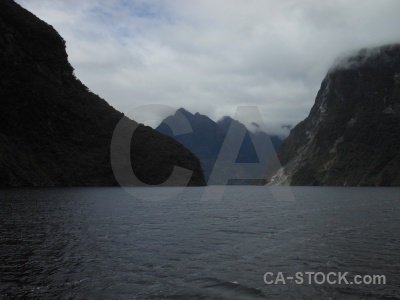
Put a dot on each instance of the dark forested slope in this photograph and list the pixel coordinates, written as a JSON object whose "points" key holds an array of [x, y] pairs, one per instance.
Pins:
{"points": [[352, 134], [53, 130]]}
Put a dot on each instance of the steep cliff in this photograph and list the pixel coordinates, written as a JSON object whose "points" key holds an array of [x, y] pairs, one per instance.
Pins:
{"points": [[352, 134], [53, 130]]}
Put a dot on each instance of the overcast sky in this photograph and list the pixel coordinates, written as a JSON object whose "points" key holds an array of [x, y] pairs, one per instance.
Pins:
{"points": [[210, 56]]}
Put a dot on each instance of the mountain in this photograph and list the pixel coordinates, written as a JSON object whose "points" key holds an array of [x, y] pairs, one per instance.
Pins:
{"points": [[247, 153], [352, 135], [206, 139], [53, 130]]}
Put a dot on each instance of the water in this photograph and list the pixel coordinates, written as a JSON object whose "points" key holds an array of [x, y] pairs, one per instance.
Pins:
{"points": [[102, 243]]}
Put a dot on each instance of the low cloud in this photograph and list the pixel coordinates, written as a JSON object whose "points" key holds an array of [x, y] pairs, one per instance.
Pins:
{"points": [[212, 56]]}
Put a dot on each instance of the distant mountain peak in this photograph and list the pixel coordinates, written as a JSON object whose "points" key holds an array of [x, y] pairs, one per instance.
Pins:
{"points": [[183, 111], [208, 136]]}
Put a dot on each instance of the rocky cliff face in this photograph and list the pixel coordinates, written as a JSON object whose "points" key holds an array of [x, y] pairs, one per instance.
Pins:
{"points": [[53, 130], [352, 134], [207, 138]]}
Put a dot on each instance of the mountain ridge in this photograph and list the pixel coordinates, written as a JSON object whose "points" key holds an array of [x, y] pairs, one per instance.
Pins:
{"points": [[53, 130], [351, 136], [207, 138]]}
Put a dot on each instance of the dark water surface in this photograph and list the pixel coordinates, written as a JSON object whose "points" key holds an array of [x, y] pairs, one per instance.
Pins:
{"points": [[102, 243]]}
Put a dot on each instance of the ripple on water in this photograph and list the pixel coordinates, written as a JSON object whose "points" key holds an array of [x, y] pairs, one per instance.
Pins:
{"points": [[97, 243]]}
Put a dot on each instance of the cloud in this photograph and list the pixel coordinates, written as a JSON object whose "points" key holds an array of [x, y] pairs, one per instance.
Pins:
{"points": [[211, 56]]}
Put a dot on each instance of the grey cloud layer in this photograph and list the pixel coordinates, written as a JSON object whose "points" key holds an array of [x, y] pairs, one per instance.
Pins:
{"points": [[211, 56]]}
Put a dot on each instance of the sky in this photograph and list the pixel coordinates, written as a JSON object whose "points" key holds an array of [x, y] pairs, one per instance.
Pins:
{"points": [[212, 56]]}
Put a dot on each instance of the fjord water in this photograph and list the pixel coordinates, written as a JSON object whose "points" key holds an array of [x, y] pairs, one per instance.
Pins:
{"points": [[103, 243]]}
